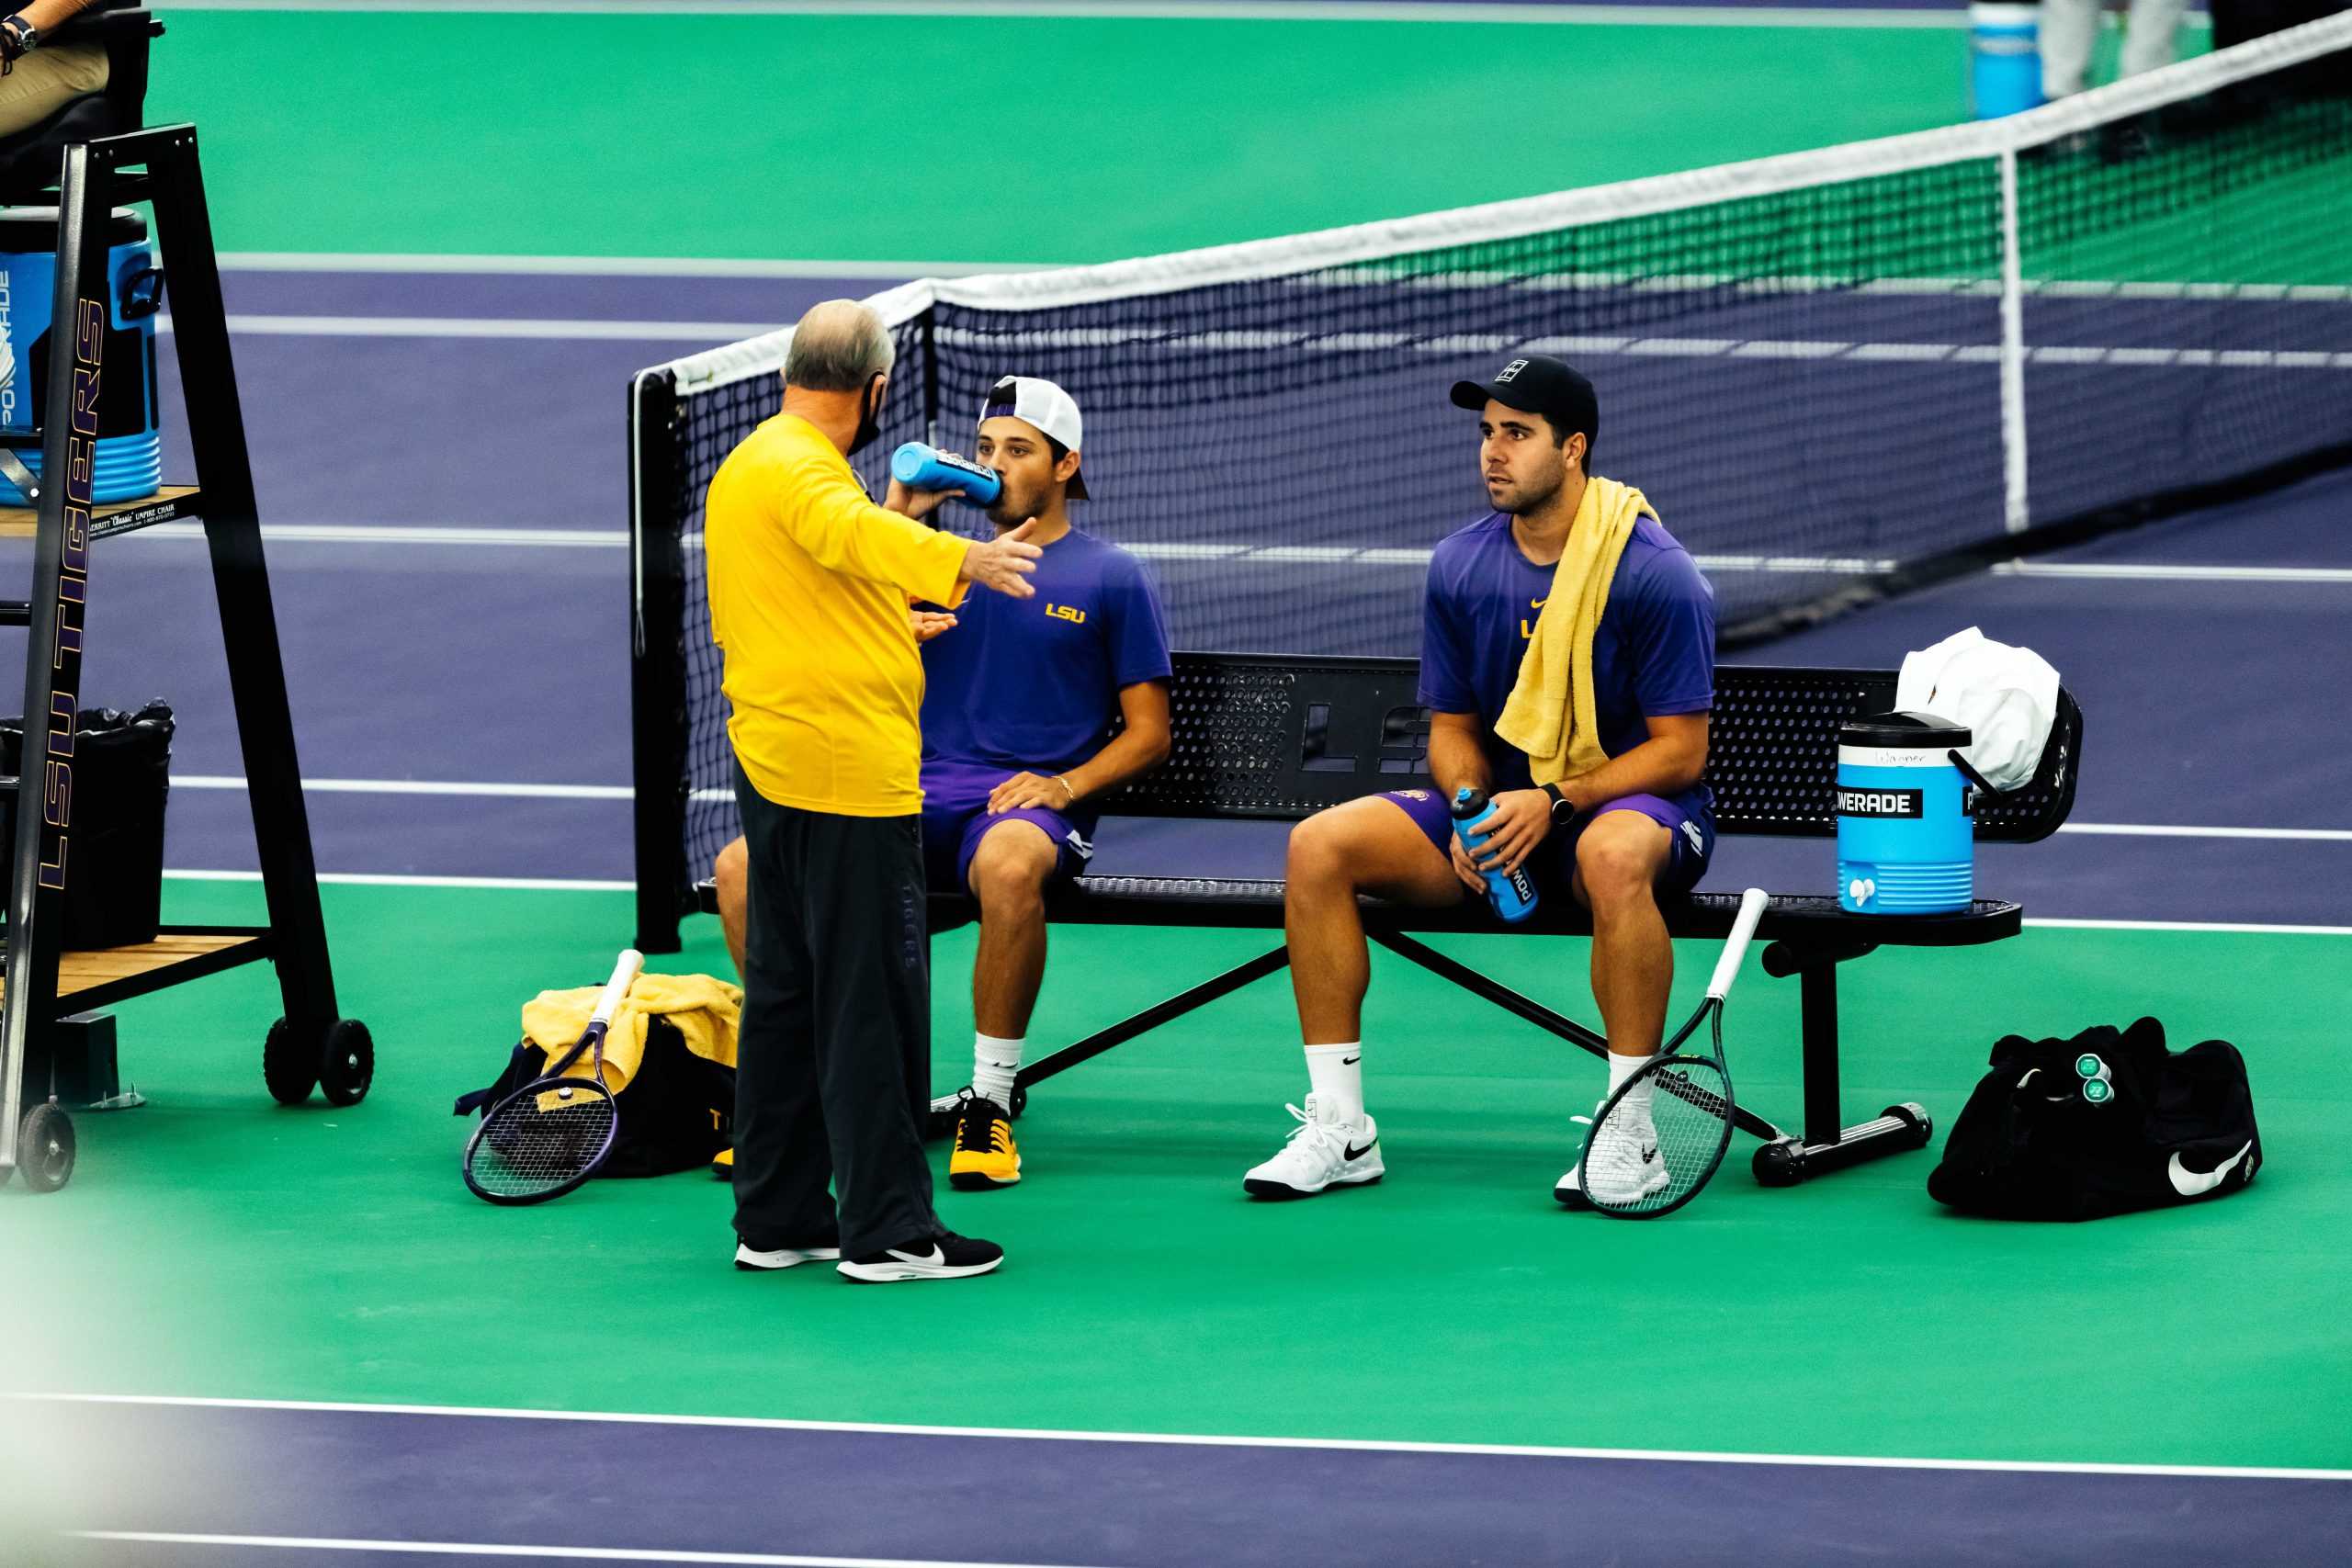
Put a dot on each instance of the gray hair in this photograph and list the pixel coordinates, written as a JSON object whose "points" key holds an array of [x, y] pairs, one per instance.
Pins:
{"points": [[839, 346]]}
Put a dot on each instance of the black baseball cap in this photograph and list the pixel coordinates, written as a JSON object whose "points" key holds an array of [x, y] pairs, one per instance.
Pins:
{"points": [[1537, 383]]}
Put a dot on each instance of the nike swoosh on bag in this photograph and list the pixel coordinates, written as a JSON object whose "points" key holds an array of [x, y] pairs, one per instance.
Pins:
{"points": [[2196, 1184]]}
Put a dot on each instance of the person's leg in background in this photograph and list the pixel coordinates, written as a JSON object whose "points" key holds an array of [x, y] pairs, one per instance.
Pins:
{"points": [[47, 79], [2151, 35], [727, 878], [783, 1172], [2069, 31]]}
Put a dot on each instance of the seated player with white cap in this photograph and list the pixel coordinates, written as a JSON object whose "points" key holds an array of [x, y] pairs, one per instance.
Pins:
{"points": [[1017, 716]]}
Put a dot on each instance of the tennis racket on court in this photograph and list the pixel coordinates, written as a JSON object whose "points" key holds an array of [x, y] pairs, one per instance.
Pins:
{"points": [[550, 1135], [1684, 1119]]}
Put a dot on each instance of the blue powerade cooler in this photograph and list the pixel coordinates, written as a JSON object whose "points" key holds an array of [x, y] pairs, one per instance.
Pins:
{"points": [[1907, 842], [131, 442]]}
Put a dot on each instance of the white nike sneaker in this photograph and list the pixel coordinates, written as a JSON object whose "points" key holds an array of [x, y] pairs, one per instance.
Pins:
{"points": [[1320, 1154], [752, 1259], [1626, 1166]]}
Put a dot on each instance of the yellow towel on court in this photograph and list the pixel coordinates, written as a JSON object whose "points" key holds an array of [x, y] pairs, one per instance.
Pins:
{"points": [[1552, 714], [703, 1010]]}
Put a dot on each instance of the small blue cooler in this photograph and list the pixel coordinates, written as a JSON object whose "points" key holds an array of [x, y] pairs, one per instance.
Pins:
{"points": [[131, 444], [2005, 58], [1906, 843]]}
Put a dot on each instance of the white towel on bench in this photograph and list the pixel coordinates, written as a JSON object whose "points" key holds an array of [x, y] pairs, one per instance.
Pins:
{"points": [[2007, 696]]}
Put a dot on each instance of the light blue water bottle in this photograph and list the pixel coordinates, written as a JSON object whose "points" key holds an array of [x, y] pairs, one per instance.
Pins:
{"points": [[1513, 896], [919, 466]]}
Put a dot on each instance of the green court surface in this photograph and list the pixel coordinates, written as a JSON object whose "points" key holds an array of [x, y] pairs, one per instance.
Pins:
{"points": [[213, 1245], [989, 139]]}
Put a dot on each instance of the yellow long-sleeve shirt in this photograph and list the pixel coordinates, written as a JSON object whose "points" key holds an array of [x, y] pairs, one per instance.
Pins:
{"points": [[809, 582]]}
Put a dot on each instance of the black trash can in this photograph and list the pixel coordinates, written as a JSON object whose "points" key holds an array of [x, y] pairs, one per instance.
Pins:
{"points": [[114, 867]]}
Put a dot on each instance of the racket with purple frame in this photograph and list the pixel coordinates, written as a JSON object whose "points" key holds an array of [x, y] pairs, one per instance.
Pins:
{"points": [[548, 1136], [1657, 1141]]}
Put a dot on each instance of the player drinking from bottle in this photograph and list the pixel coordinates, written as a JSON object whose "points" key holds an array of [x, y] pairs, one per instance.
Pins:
{"points": [[1571, 621]]}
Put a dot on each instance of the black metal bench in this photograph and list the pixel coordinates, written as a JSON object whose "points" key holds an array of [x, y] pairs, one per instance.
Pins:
{"points": [[1279, 738]]}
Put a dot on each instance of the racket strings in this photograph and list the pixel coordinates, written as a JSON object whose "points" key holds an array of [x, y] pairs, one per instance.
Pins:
{"points": [[1647, 1158], [537, 1142]]}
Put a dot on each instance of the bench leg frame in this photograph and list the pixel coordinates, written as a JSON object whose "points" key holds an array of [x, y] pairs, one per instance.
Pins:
{"points": [[1783, 1159], [1829, 1145]]}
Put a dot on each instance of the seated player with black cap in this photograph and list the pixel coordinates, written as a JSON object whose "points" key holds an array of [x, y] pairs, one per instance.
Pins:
{"points": [[1017, 716], [1624, 820]]}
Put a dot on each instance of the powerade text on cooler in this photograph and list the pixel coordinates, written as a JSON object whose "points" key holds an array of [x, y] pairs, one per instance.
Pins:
{"points": [[1906, 843], [1512, 894], [919, 467]]}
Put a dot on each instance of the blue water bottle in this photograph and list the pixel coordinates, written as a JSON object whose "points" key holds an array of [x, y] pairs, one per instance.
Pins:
{"points": [[919, 466], [1513, 896]]}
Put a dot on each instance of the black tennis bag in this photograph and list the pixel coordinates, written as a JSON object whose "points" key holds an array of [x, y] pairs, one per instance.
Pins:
{"points": [[676, 1112], [2103, 1124]]}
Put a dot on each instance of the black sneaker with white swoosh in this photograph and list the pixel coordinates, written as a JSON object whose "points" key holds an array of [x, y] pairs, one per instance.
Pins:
{"points": [[943, 1257]]}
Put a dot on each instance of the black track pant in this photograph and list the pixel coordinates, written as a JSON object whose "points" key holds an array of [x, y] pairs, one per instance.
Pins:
{"points": [[833, 1069]]}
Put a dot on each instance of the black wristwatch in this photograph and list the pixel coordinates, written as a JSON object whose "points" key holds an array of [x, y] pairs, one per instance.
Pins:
{"points": [[1564, 810], [17, 36]]}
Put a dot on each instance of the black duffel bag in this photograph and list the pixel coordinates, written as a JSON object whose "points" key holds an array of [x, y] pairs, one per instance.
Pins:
{"points": [[121, 782], [2104, 1123]]}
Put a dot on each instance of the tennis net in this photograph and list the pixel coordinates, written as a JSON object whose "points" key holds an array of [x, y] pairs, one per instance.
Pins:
{"points": [[1836, 374]]}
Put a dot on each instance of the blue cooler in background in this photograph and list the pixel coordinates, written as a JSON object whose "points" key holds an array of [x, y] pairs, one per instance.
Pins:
{"points": [[1907, 842], [131, 442], [2005, 59]]}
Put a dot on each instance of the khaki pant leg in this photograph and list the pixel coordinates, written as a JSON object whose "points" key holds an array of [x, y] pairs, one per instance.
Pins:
{"points": [[48, 79]]}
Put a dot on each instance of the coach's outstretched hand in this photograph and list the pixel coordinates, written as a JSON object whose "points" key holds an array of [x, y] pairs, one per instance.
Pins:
{"points": [[1004, 562]]}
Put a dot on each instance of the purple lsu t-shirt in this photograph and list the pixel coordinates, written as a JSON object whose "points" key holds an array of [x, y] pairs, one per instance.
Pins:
{"points": [[1035, 683], [1653, 654]]}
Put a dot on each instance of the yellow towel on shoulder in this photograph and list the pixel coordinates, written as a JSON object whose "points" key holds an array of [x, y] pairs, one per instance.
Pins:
{"points": [[703, 1009], [1552, 714]]}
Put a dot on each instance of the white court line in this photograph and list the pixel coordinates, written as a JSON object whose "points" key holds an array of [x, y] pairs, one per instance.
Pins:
{"points": [[2198, 928], [564, 1553], [1399, 11], [2157, 830], [1195, 1440], [400, 263], [403, 534], [386, 879], [490, 327], [426, 787], [2152, 572]]}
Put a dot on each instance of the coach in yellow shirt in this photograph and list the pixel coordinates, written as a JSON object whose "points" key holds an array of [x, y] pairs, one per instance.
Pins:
{"points": [[811, 587]]}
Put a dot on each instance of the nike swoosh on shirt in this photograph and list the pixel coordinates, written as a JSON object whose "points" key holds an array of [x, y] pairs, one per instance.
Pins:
{"points": [[2196, 1184]]}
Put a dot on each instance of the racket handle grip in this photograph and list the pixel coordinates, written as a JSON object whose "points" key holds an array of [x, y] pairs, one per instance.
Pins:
{"points": [[623, 976], [1751, 909]]}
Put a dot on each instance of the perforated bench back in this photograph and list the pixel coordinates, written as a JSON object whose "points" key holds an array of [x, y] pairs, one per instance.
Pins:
{"points": [[1273, 736]]}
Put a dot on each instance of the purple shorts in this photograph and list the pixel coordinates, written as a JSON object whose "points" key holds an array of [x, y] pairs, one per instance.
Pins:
{"points": [[1553, 862], [955, 819]]}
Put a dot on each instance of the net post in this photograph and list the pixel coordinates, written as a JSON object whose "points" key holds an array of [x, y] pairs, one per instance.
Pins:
{"points": [[2017, 508], [658, 694]]}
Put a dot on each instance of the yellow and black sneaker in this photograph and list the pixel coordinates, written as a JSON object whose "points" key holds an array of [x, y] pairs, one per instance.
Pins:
{"points": [[985, 1153], [722, 1165]]}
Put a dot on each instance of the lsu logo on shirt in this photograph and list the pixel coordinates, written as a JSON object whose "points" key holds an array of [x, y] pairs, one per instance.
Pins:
{"points": [[1527, 623], [1069, 612]]}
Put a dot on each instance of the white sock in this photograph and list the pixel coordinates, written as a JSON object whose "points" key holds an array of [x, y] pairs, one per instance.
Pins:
{"points": [[1621, 1069], [994, 1064], [1336, 1073]]}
